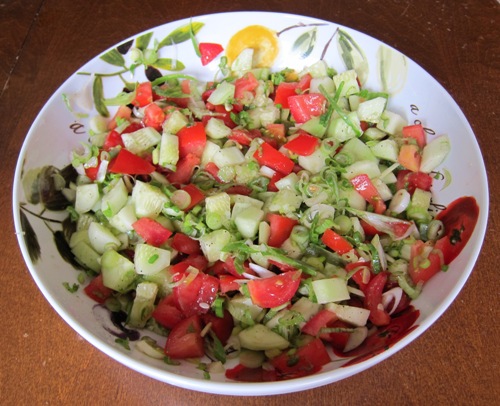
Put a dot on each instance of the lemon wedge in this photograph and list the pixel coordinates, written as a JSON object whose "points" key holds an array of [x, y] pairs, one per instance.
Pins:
{"points": [[261, 39]]}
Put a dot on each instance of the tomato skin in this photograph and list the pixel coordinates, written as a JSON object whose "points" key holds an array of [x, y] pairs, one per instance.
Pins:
{"points": [[186, 245], [151, 231], [197, 196], [303, 107], [192, 140], [422, 269], [307, 360], [277, 131], [154, 116], [337, 340], [459, 219], [269, 156], [91, 171], [274, 291], [221, 326], [143, 95], [184, 170], [123, 113], [336, 242], [318, 321], [202, 290], [130, 164], [365, 188], [245, 374], [415, 131], [228, 283], [209, 51], [304, 144], [247, 83], [283, 92], [358, 276], [97, 291], [373, 299], [410, 181], [184, 340], [281, 228], [409, 157], [113, 139], [167, 312]]}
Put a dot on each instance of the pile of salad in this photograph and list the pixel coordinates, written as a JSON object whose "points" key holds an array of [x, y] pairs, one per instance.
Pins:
{"points": [[280, 218]]}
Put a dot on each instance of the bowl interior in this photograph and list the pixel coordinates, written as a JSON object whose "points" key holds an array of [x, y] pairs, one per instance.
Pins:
{"points": [[414, 94]]}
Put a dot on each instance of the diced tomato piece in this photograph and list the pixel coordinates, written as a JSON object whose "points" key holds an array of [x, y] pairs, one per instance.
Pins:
{"points": [[412, 180], [213, 170], [195, 295], [221, 326], [167, 313], [245, 374], [361, 277], [270, 156], [97, 291], [281, 228], [209, 51], [143, 94], [130, 164], [185, 341], [196, 195], [304, 144], [271, 186], [306, 360], [154, 116], [241, 136], [151, 231], [186, 245], [365, 188], [318, 321], [275, 290], [416, 132], [339, 339], [283, 92], [459, 220], [132, 127], [336, 242], [91, 171], [123, 113], [239, 190], [184, 170], [373, 300], [304, 82], [192, 140], [228, 283], [245, 84], [113, 139], [186, 86], [303, 107], [425, 262], [199, 261], [277, 131], [409, 157]]}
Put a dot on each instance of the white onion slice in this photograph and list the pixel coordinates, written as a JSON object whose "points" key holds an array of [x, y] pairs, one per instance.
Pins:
{"points": [[395, 295], [261, 271]]}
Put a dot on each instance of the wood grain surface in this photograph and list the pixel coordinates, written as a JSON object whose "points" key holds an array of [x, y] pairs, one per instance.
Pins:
{"points": [[44, 362]]}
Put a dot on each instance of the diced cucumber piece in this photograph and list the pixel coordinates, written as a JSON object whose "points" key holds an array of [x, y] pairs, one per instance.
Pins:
{"points": [[213, 243], [162, 279], [264, 232], [340, 130], [369, 168], [354, 199], [87, 196], [373, 133], [330, 290], [243, 62], [124, 219], [355, 150], [418, 208], [325, 81], [223, 93], [216, 129], [142, 140], [315, 162], [318, 69], [354, 101], [313, 126], [259, 338], [356, 338], [392, 123], [118, 272], [211, 148], [247, 200], [143, 305], [149, 260], [251, 359], [78, 236], [102, 239], [248, 220], [168, 155], [383, 190], [306, 308], [150, 347], [263, 116], [242, 308], [175, 121], [287, 182], [371, 110], [148, 200], [228, 156], [115, 199], [285, 201], [350, 80], [386, 149], [434, 153], [86, 255], [218, 210], [357, 316]]}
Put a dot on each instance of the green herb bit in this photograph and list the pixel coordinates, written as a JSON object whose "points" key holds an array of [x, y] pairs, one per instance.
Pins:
{"points": [[123, 342], [169, 361], [71, 288]]}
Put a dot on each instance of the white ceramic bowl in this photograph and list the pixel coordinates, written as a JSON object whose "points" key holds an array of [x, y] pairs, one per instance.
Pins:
{"points": [[302, 40]]}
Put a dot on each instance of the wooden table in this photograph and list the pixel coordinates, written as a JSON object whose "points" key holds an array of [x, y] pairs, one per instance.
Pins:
{"points": [[43, 361]]}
